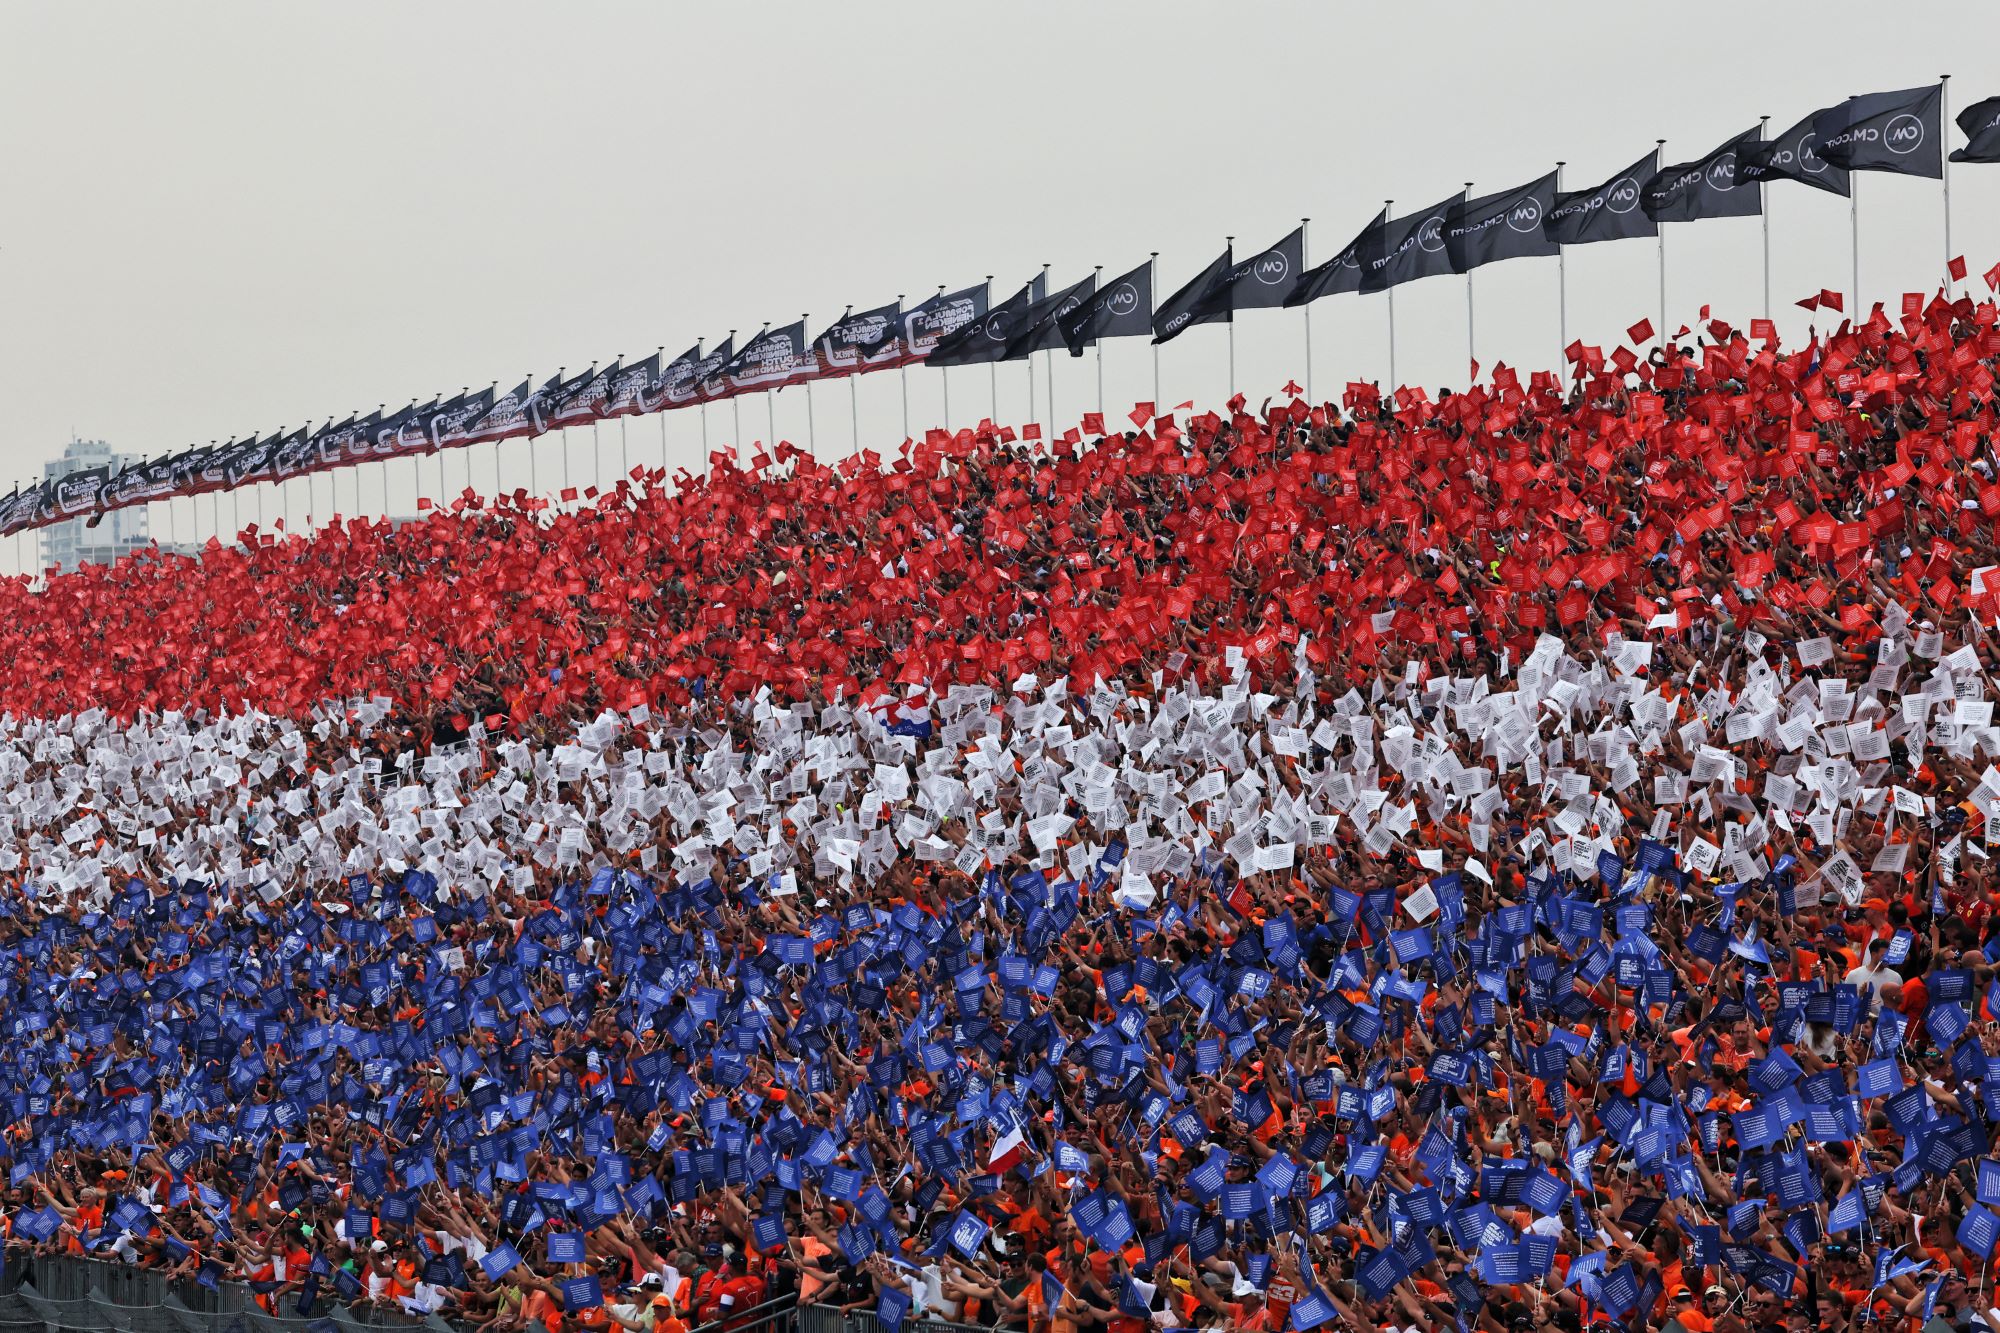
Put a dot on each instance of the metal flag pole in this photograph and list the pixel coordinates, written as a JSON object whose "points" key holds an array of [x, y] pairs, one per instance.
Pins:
{"points": [[1034, 408], [1854, 238], [945, 371], [1387, 205], [1153, 283], [853, 398], [596, 455], [1944, 167], [1050, 371], [771, 417], [1659, 156], [661, 353], [993, 367], [812, 425], [1562, 284], [903, 372], [1230, 243], [1305, 310], [1098, 273], [736, 407], [1764, 208], [1854, 234], [1471, 356]]}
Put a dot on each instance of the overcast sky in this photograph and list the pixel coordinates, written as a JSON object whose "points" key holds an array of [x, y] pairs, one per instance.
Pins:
{"points": [[223, 217]]}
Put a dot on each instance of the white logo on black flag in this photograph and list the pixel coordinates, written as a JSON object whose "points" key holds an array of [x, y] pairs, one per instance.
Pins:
{"points": [[1609, 212], [1706, 187], [772, 359], [1260, 282], [1412, 247], [1507, 225], [629, 387], [862, 340], [677, 384], [926, 326], [985, 339], [1899, 132], [708, 380], [1795, 156], [1124, 309], [1040, 326], [1342, 273], [1981, 124], [584, 398]]}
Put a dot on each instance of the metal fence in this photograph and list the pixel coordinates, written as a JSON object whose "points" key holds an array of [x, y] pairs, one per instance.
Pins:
{"points": [[830, 1319], [60, 1293], [80, 1295]]}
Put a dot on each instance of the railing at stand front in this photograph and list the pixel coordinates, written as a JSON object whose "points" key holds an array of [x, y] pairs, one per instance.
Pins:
{"points": [[70, 1292]]}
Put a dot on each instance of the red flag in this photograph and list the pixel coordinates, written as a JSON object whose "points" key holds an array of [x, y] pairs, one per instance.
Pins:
{"points": [[1956, 267], [1831, 300], [1641, 331]]}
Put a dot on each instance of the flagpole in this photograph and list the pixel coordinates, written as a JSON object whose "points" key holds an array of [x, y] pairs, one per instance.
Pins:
{"points": [[945, 371], [1050, 370], [1659, 156], [1764, 208], [1229, 242], [1471, 355], [1854, 235], [812, 425], [1305, 310], [903, 373], [993, 370], [1096, 287], [1562, 285], [1944, 169], [1153, 285], [1387, 205]]}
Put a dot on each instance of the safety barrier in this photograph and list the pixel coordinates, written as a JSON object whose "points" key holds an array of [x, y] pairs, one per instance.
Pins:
{"points": [[62, 1293], [830, 1319], [71, 1294], [779, 1316]]}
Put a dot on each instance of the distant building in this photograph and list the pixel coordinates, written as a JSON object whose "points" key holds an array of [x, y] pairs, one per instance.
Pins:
{"points": [[75, 542]]}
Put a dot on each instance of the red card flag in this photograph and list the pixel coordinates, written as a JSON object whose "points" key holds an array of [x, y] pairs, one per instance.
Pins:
{"points": [[1956, 267], [1831, 300], [1641, 331]]}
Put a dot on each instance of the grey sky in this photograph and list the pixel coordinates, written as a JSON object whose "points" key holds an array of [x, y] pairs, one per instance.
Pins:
{"points": [[224, 217]]}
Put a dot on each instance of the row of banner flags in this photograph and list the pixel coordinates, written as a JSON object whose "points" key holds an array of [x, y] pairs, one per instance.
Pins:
{"points": [[1898, 132]]}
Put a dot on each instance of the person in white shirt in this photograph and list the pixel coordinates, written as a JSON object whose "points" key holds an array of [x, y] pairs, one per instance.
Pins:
{"points": [[1871, 976]]}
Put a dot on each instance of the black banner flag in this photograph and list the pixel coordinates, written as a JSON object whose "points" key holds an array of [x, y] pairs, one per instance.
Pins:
{"points": [[1900, 132], [1342, 273], [1193, 303], [1412, 248], [1981, 123], [1122, 309], [1609, 212], [1506, 225], [985, 339], [1706, 187], [1794, 156]]}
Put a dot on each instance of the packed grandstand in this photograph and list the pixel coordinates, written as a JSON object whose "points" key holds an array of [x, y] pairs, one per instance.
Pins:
{"points": [[1512, 859]]}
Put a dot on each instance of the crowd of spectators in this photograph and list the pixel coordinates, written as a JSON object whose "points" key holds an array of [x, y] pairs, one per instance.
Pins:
{"points": [[1513, 860]]}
